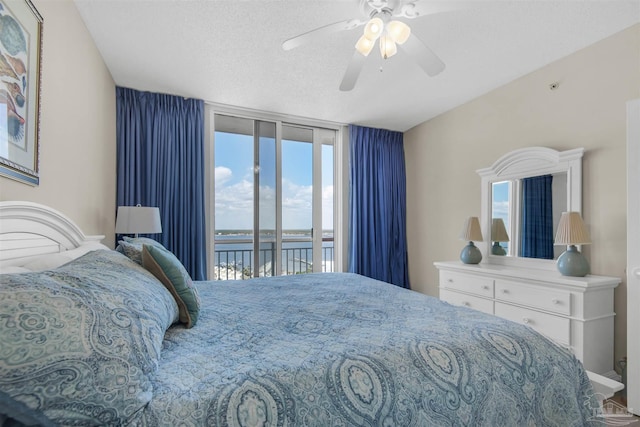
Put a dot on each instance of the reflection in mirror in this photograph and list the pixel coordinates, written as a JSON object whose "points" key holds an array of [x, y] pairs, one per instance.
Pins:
{"points": [[529, 208], [499, 236]]}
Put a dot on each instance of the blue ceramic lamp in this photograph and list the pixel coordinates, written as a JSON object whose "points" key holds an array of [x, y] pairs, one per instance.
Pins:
{"points": [[498, 234], [572, 232], [471, 232]]}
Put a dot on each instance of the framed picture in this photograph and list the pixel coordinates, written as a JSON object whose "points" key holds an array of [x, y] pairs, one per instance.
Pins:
{"points": [[20, 58]]}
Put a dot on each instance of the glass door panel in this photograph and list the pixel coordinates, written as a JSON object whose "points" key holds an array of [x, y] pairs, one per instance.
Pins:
{"points": [[266, 189], [297, 200], [233, 215]]}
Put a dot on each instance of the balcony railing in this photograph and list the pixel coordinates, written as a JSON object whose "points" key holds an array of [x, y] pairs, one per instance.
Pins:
{"points": [[237, 264]]}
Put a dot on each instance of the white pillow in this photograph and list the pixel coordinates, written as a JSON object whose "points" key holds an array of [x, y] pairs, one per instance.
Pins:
{"points": [[50, 261]]}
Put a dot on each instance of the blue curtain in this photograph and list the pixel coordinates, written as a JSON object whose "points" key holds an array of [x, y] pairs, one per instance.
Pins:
{"points": [[378, 243], [537, 218], [160, 149]]}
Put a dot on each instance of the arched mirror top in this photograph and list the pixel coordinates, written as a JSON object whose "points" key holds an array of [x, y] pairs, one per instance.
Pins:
{"points": [[510, 178]]}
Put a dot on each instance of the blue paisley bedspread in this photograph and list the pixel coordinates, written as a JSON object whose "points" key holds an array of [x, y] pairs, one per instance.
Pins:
{"points": [[343, 350]]}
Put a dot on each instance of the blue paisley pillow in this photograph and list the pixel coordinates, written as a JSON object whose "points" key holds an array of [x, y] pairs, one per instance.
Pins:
{"points": [[79, 343], [132, 247]]}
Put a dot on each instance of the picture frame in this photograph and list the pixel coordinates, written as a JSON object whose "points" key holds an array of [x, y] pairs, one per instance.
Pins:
{"points": [[20, 76]]}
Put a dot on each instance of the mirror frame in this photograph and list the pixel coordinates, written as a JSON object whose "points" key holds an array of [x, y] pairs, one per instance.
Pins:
{"points": [[522, 163]]}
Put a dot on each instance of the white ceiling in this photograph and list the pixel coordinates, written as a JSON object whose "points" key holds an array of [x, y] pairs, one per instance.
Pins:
{"points": [[229, 52]]}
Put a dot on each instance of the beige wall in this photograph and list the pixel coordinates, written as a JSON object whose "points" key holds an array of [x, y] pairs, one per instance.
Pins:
{"points": [[77, 126], [587, 110]]}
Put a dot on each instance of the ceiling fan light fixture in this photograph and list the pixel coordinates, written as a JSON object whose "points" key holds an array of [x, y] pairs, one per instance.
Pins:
{"points": [[373, 29], [398, 31], [365, 46], [388, 47]]}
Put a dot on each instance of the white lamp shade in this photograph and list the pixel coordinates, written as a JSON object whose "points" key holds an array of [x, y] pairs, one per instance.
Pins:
{"points": [[471, 231], [498, 231], [571, 230], [387, 47], [398, 31], [138, 220], [364, 45], [373, 29]]}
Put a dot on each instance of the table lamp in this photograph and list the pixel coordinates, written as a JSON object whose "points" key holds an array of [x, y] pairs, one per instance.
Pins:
{"points": [[471, 232], [498, 234], [572, 232]]}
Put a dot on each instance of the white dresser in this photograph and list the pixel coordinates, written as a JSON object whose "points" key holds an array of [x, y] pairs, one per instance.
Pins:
{"points": [[576, 312]]}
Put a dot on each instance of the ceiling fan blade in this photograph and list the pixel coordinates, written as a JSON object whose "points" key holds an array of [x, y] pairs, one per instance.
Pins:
{"points": [[353, 71], [320, 32], [426, 59]]}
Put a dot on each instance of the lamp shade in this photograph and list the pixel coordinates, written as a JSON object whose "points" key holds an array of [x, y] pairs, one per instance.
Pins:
{"points": [[571, 230], [498, 231], [374, 28], [398, 31], [138, 220], [471, 230], [388, 47], [364, 45]]}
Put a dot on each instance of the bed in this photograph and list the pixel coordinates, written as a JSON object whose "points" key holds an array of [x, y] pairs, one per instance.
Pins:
{"points": [[102, 340]]}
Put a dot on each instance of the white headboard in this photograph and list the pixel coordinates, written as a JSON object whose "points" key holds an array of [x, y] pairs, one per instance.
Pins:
{"points": [[28, 230]]}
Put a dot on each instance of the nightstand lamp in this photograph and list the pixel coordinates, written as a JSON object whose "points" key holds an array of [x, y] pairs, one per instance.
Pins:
{"points": [[471, 232], [572, 232], [138, 220], [498, 234]]}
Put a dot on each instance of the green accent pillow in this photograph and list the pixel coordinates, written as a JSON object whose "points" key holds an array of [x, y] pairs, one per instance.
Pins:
{"points": [[170, 271]]}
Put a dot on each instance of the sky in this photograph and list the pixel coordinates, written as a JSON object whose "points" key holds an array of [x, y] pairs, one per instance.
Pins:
{"points": [[234, 183]]}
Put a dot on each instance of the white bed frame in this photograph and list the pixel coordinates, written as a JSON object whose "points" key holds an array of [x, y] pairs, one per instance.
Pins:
{"points": [[29, 230]]}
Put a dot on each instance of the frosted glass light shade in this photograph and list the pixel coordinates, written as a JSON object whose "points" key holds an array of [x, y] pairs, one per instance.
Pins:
{"points": [[364, 45], [387, 47], [471, 230], [373, 29], [138, 220], [571, 230], [398, 31]]}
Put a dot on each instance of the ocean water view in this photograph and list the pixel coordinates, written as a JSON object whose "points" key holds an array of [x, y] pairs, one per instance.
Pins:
{"points": [[234, 259]]}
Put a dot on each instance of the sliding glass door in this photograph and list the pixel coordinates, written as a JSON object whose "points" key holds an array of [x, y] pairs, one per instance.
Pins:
{"points": [[273, 198]]}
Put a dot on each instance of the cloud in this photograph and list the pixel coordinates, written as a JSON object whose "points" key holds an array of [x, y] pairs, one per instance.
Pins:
{"points": [[234, 204], [222, 175]]}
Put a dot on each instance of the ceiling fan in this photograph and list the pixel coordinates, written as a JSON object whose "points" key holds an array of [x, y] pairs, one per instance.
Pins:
{"points": [[381, 25]]}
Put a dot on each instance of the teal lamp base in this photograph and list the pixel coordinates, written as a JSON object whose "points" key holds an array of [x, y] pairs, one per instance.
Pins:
{"points": [[496, 249], [471, 254], [573, 263]]}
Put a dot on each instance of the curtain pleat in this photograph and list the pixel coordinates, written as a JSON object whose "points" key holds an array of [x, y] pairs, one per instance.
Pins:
{"points": [[537, 217], [377, 241], [160, 161]]}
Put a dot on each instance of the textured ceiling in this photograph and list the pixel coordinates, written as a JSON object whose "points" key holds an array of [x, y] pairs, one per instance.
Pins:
{"points": [[229, 52]]}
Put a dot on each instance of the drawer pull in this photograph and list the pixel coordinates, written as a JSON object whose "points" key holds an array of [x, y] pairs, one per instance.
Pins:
{"points": [[466, 304], [505, 291], [555, 301], [450, 280], [485, 287], [526, 320]]}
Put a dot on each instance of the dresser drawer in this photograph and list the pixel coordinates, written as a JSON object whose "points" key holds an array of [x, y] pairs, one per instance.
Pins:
{"points": [[477, 303], [555, 327], [482, 286], [555, 301]]}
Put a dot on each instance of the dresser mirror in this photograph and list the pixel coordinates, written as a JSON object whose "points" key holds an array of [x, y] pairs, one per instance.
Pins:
{"points": [[523, 196]]}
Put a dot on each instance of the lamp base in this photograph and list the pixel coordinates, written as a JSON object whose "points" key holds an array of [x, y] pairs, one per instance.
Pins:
{"points": [[573, 263], [496, 249], [470, 254]]}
